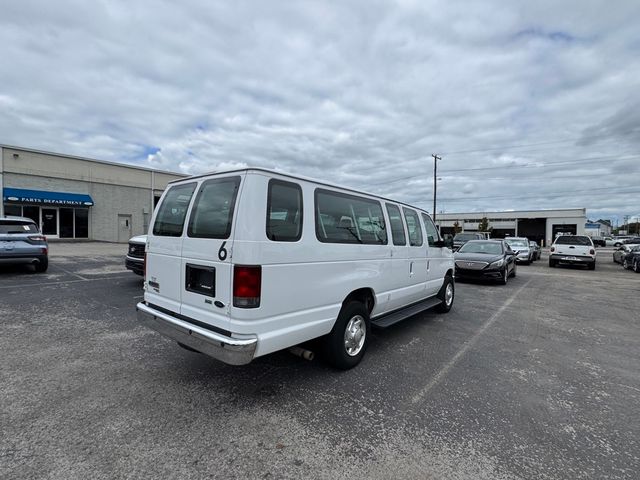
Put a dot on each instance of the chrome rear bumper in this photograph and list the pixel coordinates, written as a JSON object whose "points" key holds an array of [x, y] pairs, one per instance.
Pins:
{"points": [[234, 351]]}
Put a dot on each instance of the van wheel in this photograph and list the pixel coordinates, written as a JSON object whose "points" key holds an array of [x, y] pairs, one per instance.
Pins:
{"points": [[344, 347], [447, 293]]}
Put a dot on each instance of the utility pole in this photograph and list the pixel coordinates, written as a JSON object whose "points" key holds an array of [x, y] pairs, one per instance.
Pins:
{"points": [[435, 182]]}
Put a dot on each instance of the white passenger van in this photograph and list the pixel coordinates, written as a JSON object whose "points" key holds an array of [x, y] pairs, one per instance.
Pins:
{"points": [[248, 262]]}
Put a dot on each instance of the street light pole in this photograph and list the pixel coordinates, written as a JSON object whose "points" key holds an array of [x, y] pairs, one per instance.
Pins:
{"points": [[435, 183]]}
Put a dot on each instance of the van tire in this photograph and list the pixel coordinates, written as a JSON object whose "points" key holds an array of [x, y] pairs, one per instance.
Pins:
{"points": [[446, 304], [356, 315]]}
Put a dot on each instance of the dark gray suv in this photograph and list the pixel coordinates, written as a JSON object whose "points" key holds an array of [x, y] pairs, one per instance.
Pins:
{"points": [[22, 242]]}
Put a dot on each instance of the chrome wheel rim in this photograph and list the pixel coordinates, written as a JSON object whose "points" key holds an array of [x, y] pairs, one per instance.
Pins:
{"points": [[448, 295], [354, 335], [625, 264]]}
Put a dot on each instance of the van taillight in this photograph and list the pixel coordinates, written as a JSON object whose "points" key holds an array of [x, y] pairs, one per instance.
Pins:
{"points": [[247, 281]]}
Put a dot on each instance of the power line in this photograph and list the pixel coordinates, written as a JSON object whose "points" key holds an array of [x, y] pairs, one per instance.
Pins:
{"points": [[502, 167], [545, 194]]}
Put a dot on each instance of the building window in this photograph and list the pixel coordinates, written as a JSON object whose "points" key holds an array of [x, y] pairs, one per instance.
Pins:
{"points": [[14, 210], [66, 223], [81, 222]]}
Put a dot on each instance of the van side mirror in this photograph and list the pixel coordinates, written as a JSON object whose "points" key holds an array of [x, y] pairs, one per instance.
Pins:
{"points": [[443, 243]]}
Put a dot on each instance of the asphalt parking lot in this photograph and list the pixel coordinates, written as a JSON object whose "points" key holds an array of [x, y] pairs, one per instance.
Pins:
{"points": [[539, 379]]}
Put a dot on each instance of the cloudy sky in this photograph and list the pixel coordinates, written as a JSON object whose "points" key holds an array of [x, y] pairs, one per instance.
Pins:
{"points": [[530, 104]]}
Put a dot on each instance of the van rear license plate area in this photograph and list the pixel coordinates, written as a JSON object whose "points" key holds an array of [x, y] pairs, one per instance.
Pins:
{"points": [[201, 279]]}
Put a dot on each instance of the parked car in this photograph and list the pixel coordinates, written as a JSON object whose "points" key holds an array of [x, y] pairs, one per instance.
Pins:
{"points": [[536, 250], [620, 240], [520, 245], [609, 241], [22, 242], [486, 259], [134, 260], [630, 258], [633, 259], [574, 250], [632, 241], [599, 241], [462, 238], [247, 262], [621, 252]]}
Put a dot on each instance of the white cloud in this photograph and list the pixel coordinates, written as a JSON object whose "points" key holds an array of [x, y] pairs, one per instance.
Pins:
{"points": [[360, 93]]}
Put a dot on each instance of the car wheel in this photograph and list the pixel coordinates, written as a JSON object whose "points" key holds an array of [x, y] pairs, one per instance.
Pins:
{"points": [[447, 293], [513, 272], [552, 263], [625, 264], [636, 266], [42, 265], [344, 347], [505, 276], [592, 266]]}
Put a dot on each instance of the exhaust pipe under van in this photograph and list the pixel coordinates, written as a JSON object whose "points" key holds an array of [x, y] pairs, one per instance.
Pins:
{"points": [[302, 353]]}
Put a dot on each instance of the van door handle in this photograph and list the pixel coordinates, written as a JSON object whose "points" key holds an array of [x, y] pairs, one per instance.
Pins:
{"points": [[428, 264], [411, 268]]}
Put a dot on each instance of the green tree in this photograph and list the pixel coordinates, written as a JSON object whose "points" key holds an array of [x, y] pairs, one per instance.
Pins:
{"points": [[483, 226]]}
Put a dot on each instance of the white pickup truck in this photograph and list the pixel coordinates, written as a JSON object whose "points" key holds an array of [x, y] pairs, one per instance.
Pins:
{"points": [[573, 249]]}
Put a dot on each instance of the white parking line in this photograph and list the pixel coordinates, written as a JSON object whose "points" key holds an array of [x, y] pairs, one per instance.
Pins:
{"points": [[70, 272], [442, 373], [25, 285]]}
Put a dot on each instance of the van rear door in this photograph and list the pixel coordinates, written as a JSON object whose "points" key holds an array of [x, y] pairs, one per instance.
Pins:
{"points": [[164, 247], [206, 269]]}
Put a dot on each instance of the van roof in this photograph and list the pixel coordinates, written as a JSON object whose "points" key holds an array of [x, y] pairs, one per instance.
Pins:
{"points": [[295, 177]]}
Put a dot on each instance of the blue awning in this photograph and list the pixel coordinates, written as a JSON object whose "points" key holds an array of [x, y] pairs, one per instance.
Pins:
{"points": [[39, 197]]}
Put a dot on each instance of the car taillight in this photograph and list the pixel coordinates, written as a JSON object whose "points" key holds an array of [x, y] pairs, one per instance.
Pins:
{"points": [[592, 251], [247, 281], [552, 249], [37, 238]]}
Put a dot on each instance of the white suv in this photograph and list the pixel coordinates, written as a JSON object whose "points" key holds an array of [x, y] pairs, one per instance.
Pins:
{"points": [[244, 263], [573, 249]]}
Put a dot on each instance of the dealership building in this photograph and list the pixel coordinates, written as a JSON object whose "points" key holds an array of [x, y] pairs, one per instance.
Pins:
{"points": [[539, 225], [79, 198]]}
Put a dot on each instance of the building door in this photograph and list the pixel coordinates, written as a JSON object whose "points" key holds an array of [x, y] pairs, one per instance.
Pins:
{"points": [[124, 228], [50, 221]]}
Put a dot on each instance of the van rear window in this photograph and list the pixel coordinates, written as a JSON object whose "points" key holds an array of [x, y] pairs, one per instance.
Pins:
{"points": [[342, 218], [173, 209], [213, 208]]}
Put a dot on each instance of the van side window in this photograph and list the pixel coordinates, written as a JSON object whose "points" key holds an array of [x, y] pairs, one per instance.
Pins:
{"points": [[212, 212], [395, 222], [173, 209], [342, 218], [432, 232], [284, 211], [413, 227]]}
